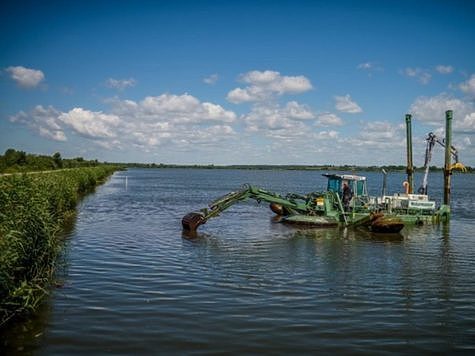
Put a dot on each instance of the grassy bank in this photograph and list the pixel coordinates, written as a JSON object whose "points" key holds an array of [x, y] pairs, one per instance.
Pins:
{"points": [[33, 208]]}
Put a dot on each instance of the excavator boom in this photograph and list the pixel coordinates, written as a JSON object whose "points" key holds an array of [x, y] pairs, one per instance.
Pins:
{"points": [[292, 202]]}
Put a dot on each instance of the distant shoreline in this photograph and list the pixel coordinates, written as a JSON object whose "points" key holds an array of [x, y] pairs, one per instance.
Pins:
{"points": [[346, 168], [14, 161]]}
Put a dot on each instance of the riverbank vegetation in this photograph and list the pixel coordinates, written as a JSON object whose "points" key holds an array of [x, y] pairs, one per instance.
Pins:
{"points": [[13, 161], [33, 209]]}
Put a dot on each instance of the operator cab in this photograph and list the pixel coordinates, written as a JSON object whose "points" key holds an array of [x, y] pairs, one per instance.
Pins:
{"points": [[356, 183]]}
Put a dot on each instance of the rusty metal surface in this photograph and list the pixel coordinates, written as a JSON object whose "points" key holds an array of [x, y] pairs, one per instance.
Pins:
{"points": [[386, 224], [277, 208], [192, 221]]}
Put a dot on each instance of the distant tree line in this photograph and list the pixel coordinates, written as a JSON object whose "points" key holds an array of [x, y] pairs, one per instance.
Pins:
{"points": [[19, 161], [13, 161], [325, 167]]}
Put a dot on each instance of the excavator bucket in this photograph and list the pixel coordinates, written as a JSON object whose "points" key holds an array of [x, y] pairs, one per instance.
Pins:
{"points": [[191, 221], [458, 166]]}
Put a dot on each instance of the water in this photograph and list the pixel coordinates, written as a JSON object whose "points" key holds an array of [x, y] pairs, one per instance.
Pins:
{"points": [[134, 285]]}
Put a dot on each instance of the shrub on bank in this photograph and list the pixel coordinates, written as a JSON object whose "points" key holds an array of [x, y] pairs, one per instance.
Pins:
{"points": [[32, 212]]}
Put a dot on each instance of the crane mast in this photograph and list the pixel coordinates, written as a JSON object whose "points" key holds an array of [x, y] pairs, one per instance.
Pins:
{"points": [[431, 140]]}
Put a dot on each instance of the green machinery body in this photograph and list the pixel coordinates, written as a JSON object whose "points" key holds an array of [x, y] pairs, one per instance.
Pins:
{"points": [[385, 213], [318, 209]]}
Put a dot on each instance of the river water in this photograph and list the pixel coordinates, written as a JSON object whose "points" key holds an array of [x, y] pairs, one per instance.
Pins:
{"points": [[134, 285]]}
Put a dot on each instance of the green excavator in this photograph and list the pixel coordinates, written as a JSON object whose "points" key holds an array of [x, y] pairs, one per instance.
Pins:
{"points": [[335, 207], [316, 209]]}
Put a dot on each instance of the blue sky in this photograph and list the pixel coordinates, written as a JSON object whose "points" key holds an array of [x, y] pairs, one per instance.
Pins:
{"points": [[248, 82]]}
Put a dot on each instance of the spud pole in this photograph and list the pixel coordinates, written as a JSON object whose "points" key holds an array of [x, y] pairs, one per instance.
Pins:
{"points": [[410, 167], [448, 145]]}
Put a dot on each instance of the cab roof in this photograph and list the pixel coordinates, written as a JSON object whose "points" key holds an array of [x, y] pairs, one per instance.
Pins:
{"points": [[344, 176]]}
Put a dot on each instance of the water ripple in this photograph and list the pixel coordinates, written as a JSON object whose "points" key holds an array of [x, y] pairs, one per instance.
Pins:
{"points": [[249, 285]]}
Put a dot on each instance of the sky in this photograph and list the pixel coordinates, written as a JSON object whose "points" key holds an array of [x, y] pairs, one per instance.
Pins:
{"points": [[236, 82]]}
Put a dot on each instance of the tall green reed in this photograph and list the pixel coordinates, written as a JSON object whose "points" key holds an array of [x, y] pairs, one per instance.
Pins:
{"points": [[33, 208]]}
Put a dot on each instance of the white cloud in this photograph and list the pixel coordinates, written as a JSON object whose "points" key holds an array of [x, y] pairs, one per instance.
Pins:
{"points": [[43, 121], [25, 77], [469, 86], [345, 104], [329, 119], [176, 109], [467, 124], [91, 124], [422, 75], [57, 135], [327, 135], [369, 67], [431, 110], [210, 135], [239, 95], [365, 66], [444, 69], [380, 131], [379, 135], [287, 123], [294, 110], [178, 121], [120, 84], [274, 121], [267, 84], [212, 79]]}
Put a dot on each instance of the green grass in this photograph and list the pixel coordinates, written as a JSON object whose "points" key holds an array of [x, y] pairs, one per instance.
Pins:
{"points": [[33, 208]]}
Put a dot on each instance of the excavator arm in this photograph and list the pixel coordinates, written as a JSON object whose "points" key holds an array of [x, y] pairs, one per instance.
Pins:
{"points": [[292, 202]]}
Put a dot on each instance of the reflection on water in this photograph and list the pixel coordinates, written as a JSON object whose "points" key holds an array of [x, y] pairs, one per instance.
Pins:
{"points": [[135, 284]]}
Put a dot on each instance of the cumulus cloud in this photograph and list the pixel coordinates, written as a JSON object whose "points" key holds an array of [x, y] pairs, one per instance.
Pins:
{"points": [[469, 86], [431, 110], [422, 75], [263, 85], [43, 121], [346, 104], [466, 125], [329, 119], [212, 79], [239, 95], [294, 110], [381, 135], [174, 120], [210, 135], [120, 84], [179, 120], [327, 135], [444, 69], [288, 123], [26, 77], [90, 123], [279, 122], [176, 109]]}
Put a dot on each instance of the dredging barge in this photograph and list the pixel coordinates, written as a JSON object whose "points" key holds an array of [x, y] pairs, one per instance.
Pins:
{"points": [[346, 201]]}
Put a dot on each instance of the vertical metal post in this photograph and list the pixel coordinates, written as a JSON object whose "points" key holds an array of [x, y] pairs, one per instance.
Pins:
{"points": [[410, 166], [384, 189], [448, 145]]}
